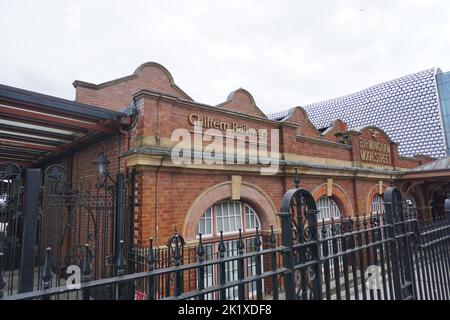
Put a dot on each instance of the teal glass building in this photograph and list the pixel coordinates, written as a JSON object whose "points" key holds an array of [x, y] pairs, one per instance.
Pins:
{"points": [[443, 86]]}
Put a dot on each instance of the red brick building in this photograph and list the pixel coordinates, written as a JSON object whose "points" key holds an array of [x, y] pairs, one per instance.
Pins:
{"points": [[346, 171]]}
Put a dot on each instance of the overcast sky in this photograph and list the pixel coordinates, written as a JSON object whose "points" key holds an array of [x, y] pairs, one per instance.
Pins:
{"points": [[286, 53]]}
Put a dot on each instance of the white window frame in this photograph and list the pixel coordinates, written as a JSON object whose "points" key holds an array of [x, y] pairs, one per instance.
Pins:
{"points": [[244, 211], [208, 215], [252, 215], [377, 204], [231, 271], [330, 206], [231, 216], [327, 205]]}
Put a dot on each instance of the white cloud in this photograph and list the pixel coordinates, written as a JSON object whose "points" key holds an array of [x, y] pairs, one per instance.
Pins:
{"points": [[285, 53]]}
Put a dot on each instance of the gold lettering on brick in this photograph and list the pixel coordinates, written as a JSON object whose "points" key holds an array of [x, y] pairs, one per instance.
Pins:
{"points": [[375, 152], [208, 122]]}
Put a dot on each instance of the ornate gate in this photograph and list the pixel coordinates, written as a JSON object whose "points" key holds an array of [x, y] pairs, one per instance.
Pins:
{"points": [[10, 224], [299, 214], [61, 225], [401, 250], [76, 219]]}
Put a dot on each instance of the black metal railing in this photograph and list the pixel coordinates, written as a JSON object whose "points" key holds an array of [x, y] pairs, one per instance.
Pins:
{"points": [[49, 226], [381, 256], [189, 253]]}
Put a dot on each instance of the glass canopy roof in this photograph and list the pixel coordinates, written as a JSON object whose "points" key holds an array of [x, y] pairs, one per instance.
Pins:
{"points": [[34, 126]]}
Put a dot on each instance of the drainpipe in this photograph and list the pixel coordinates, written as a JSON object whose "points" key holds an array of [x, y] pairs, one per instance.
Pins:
{"points": [[157, 122], [157, 202]]}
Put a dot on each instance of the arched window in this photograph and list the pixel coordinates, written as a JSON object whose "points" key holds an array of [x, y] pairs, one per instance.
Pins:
{"points": [[377, 205], [204, 226], [328, 208], [228, 217]]}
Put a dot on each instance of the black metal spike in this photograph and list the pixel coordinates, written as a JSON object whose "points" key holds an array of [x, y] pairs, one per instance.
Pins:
{"points": [[241, 244], [358, 223], [350, 224], [333, 227], [272, 239], [324, 229], [200, 248], [176, 252], [365, 221], [296, 179], [221, 247], [47, 272], [341, 226], [86, 267], [257, 240]]}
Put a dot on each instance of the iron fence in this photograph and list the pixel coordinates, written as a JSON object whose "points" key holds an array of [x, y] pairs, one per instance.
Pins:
{"points": [[367, 257], [48, 229], [189, 253]]}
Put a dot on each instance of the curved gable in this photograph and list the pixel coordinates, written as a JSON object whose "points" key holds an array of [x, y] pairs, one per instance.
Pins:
{"points": [[335, 127], [159, 79], [118, 94], [242, 101], [299, 117]]}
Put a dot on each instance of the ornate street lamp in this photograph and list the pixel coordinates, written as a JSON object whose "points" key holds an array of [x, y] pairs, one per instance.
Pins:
{"points": [[116, 188], [102, 170]]}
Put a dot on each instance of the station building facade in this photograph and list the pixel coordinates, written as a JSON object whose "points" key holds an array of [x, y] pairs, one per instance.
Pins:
{"points": [[346, 170]]}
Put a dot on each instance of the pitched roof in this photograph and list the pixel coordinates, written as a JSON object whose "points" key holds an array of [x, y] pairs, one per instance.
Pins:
{"points": [[440, 164], [52, 103], [407, 109]]}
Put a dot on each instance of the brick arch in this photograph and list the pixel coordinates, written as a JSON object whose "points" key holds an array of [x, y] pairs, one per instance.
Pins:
{"points": [[339, 196], [250, 194], [404, 188], [416, 191], [373, 191]]}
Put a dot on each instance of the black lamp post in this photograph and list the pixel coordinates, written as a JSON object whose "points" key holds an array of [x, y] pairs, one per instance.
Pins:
{"points": [[117, 190], [101, 169]]}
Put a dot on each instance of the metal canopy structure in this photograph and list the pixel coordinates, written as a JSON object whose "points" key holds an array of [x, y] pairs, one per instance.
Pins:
{"points": [[438, 170], [35, 126]]}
